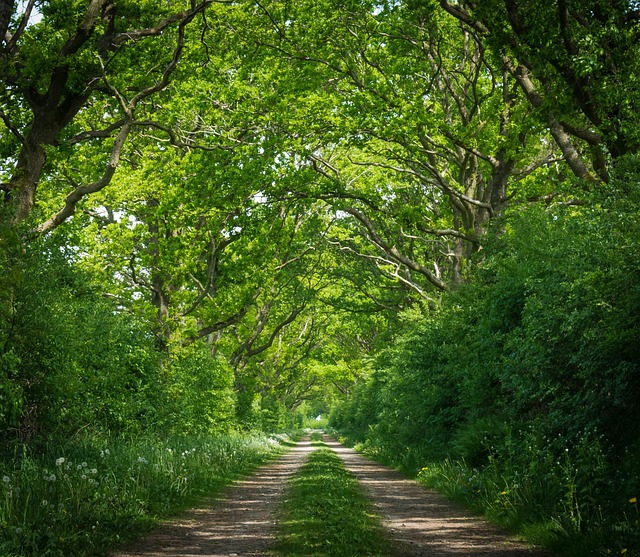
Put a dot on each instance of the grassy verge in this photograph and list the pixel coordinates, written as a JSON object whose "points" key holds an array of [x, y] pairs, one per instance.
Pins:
{"points": [[531, 507], [327, 514], [567, 505], [87, 497]]}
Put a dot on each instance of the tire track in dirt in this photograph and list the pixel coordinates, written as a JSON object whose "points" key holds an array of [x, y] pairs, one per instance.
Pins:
{"points": [[241, 521], [421, 522]]}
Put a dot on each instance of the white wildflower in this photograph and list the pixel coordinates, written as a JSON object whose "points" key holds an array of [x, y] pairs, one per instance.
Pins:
{"points": [[59, 461], [6, 479]]}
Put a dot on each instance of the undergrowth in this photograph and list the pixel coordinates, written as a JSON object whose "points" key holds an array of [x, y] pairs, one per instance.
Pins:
{"points": [[550, 508], [85, 497], [550, 493]]}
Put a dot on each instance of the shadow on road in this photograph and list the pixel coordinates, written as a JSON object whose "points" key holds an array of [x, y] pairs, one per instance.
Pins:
{"points": [[422, 522]]}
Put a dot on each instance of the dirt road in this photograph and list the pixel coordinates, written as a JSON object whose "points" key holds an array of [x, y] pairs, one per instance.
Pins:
{"points": [[241, 522], [421, 522]]}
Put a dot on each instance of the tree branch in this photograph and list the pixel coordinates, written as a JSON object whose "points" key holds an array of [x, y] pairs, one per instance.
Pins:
{"points": [[75, 196], [393, 250], [22, 24], [95, 134], [562, 138], [183, 16], [15, 131], [460, 14], [250, 352], [6, 10], [212, 266], [229, 321], [395, 275], [128, 107]]}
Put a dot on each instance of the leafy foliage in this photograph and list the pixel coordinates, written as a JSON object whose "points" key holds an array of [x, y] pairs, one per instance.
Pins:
{"points": [[528, 376]]}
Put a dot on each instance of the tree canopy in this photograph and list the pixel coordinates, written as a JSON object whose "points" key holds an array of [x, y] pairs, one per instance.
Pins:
{"points": [[420, 215]]}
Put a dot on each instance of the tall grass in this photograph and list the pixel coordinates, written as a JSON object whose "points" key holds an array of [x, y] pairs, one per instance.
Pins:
{"points": [[84, 498], [559, 502], [555, 492]]}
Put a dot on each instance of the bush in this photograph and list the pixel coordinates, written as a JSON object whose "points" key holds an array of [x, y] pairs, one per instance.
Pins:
{"points": [[71, 358], [521, 392]]}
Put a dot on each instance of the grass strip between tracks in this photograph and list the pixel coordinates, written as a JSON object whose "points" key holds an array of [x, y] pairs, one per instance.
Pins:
{"points": [[326, 512]]}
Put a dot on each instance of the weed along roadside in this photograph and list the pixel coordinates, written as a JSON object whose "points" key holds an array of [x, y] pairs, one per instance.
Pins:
{"points": [[240, 521], [87, 498], [317, 498], [326, 512]]}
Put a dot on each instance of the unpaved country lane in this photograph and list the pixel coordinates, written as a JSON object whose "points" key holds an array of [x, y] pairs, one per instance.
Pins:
{"points": [[421, 522], [241, 521]]}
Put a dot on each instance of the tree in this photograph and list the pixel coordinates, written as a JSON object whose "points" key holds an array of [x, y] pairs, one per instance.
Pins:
{"points": [[577, 63], [83, 74], [412, 128]]}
